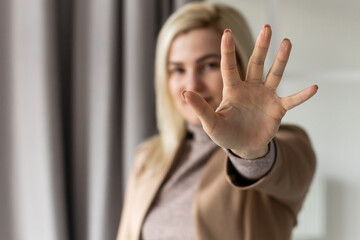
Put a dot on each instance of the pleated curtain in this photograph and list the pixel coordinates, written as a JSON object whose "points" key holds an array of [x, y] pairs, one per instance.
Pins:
{"points": [[76, 98]]}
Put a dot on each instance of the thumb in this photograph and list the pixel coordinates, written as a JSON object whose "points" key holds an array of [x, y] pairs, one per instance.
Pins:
{"points": [[202, 110]]}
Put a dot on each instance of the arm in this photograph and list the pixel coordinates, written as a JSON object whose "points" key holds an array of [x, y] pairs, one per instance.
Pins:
{"points": [[252, 169], [292, 172], [249, 117]]}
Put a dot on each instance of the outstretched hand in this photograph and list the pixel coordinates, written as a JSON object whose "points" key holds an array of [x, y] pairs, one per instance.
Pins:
{"points": [[250, 112]]}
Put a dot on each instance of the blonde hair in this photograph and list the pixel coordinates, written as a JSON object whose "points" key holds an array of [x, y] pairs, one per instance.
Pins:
{"points": [[170, 123]]}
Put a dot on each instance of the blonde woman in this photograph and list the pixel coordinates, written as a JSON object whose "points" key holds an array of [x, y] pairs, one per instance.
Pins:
{"points": [[222, 166]]}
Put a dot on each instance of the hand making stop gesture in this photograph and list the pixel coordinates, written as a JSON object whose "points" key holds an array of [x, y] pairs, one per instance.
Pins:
{"points": [[250, 112]]}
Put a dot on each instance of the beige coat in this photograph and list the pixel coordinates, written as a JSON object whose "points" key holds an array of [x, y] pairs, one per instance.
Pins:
{"points": [[226, 207]]}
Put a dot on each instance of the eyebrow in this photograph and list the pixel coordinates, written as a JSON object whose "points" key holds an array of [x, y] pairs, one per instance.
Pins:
{"points": [[211, 55]]}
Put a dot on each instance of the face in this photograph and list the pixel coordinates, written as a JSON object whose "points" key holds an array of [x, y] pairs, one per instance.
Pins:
{"points": [[194, 65]]}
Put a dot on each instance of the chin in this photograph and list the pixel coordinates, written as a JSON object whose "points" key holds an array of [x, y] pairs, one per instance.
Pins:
{"points": [[193, 120], [189, 116]]}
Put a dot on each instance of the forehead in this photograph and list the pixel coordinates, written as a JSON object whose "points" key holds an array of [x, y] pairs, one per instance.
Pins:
{"points": [[195, 44]]}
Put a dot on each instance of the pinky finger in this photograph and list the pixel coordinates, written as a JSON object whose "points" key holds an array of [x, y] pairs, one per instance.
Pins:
{"points": [[299, 98]]}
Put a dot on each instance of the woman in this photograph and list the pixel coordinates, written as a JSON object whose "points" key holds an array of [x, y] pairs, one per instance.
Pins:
{"points": [[221, 166]]}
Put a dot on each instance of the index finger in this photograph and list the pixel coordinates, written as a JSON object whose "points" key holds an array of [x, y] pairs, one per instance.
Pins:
{"points": [[229, 71]]}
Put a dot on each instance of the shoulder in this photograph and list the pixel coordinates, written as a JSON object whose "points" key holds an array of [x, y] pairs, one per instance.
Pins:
{"points": [[293, 135], [286, 130], [146, 152], [293, 142], [145, 147]]}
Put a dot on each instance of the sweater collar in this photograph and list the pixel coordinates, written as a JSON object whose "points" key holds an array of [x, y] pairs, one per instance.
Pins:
{"points": [[197, 133]]}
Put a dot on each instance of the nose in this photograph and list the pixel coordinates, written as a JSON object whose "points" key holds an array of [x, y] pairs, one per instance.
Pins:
{"points": [[194, 81]]}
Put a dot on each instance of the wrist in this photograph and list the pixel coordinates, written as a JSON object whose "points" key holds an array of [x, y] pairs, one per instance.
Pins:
{"points": [[251, 154]]}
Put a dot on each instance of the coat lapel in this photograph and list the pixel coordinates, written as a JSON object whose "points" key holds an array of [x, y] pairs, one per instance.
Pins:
{"points": [[148, 189], [215, 202]]}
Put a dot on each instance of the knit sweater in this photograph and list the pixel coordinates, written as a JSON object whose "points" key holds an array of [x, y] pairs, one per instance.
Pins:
{"points": [[171, 216]]}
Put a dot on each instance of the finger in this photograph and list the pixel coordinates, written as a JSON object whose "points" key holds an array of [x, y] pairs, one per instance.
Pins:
{"points": [[202, 109], [277, 70], [298, 98], [229, 71], [257, 59]]}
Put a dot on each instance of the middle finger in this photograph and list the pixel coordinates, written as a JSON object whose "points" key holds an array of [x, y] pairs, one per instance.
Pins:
{"points": [[257, 59]]}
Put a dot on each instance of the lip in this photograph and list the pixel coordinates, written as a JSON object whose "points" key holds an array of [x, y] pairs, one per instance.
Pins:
{"points": [[207, 99]]}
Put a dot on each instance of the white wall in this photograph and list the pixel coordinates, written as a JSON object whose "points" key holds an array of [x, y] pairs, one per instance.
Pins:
{"points": [[326, 37]]}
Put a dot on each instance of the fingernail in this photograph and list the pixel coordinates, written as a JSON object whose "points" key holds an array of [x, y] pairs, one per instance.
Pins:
{"points": [[287, 41], [183, 95], [286, 44], [265, 31], [227, 36]]}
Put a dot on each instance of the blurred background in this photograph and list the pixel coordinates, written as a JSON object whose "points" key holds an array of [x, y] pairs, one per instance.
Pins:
{"points": [[76, 97], [325, 52]]}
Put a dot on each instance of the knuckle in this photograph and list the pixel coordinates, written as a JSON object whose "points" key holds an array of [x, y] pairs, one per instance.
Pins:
{"points": [[255, 79], [229, 67], [282, 61], [277, 74], [263, 47], [228, 52], [257, 61]]}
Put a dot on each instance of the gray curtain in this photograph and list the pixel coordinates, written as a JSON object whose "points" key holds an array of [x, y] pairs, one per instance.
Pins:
{"points": [[76, 97], [6, 219]]}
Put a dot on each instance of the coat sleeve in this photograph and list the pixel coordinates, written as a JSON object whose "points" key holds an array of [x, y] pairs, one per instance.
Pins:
{"points": [[289, 178], [253, 169]]}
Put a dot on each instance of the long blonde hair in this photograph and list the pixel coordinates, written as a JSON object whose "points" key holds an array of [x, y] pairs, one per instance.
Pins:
{"points": [[171, 125]]}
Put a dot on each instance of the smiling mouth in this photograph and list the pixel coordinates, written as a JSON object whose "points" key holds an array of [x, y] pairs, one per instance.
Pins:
{"points": [[207, 99]]}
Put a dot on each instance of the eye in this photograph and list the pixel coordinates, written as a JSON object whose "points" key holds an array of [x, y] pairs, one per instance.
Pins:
{"points": [[212, 65], [177, 70]]}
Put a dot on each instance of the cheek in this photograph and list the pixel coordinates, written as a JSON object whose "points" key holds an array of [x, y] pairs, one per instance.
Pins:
{"points": [[175, 89], [217, 86]]}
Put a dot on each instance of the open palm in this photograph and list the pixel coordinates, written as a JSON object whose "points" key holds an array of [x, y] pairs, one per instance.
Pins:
{"points": [[250, 112]]}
